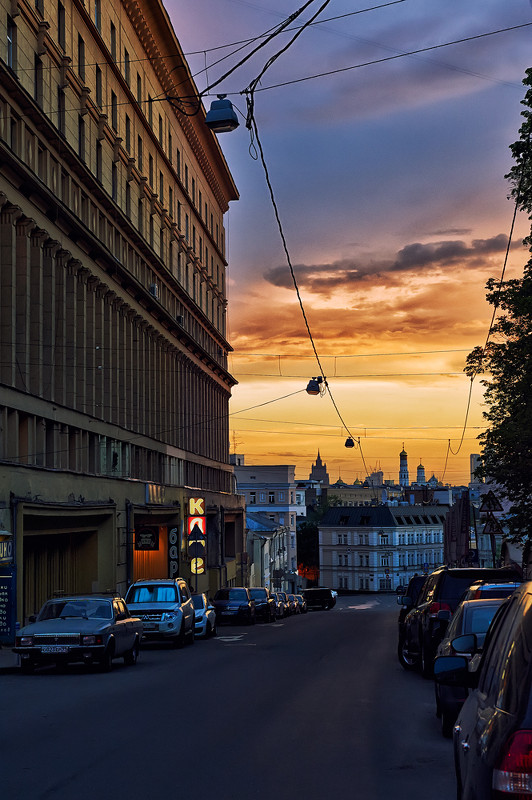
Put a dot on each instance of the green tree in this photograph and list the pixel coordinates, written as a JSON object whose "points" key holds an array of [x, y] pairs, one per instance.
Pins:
{"points": [[506, 361]]}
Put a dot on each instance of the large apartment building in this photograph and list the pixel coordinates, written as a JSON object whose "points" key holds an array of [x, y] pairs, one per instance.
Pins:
{"points": [[377, 548], [114, 385]]}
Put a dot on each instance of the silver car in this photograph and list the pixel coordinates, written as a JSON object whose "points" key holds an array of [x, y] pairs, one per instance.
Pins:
{"points": [[165, 607], [205, 616], [92, 629]]}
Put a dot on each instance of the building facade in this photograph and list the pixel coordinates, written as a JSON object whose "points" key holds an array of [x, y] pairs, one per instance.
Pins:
{"points": [[374, 549], [114, 385], [271, 491]]}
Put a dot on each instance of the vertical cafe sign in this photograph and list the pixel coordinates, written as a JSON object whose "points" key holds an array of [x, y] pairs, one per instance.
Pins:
{"points": [[196, 534]]}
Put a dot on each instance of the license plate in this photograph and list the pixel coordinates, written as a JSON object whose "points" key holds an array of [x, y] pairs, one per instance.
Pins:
{"points": [[149, 627], [54, 648]]}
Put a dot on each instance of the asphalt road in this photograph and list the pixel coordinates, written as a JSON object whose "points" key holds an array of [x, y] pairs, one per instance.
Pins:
{"points": [[313, 708]]}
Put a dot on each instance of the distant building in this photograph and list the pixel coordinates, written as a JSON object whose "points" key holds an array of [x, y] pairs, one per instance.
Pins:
{"points": [[271, 491], [374, 549], [404, 480], [319, 471], [420, 479]]}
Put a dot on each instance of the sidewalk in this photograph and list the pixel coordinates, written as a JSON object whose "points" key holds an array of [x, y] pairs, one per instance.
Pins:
{"points": [[8, 659]]}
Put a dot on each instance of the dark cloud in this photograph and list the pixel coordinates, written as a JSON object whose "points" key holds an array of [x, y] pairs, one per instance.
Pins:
{"points": [[414, 258]]}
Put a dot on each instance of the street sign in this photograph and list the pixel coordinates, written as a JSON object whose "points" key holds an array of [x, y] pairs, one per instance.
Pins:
{"points": [[492, 525], [490, 502]]}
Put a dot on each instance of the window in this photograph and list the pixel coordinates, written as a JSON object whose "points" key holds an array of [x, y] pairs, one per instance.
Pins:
{"points": [[127, 67], [81, 57], [139, 153], [193, 191], [38, 84], [170, 148], [98, 86], [128, 200], [178, 163], [139, 88], [383, 538], [113, 41], [114, 111], [171, 201], [150, 111], [151, 231], [61, 111], [186, 177], [61, 25], [11, 44], [114, 181], [271, 497], [81, 137], [128, 133], [150, 169], [99, 161], [39, 5], [161, 187], [140, 217], [98, 15], [160, 130]]}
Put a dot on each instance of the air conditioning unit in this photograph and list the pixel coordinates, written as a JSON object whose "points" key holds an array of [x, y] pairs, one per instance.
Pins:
{"points": [[179, 319], [154, 290]]}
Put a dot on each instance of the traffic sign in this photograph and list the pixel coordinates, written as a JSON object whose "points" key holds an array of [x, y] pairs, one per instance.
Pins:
{"points": [[490, 502]]}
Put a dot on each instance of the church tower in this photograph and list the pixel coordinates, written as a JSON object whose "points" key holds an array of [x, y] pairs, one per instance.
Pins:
{"points": [[319, 471], [403, 468], [421, 480]]}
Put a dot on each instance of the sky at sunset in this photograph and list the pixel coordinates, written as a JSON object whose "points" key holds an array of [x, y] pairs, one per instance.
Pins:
{"points": [[389, 182]]}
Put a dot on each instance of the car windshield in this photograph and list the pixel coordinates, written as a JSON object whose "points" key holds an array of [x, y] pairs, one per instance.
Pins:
{"points": [[152, 593], [85, 609], [478, 619], [231, 594], [258, 594], [198, 601]]}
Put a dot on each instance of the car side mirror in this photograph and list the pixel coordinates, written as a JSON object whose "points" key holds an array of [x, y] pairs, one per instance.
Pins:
{"points": [[32, 618], [405, 600], [468, 643]]}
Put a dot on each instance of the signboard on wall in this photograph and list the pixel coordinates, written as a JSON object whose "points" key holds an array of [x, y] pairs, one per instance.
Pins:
{"points": [[147, 538], [173, 553], [196, 534], [7, 608]]}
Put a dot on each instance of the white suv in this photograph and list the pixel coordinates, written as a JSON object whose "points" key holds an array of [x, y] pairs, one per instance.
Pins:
{"points": [[165, 607]]}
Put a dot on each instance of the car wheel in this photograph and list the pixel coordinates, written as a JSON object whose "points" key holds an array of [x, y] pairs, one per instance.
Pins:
{"points": [[106, 661], [191, 636], [406, 660], [447, 723], [131, 657], [214, 630]]}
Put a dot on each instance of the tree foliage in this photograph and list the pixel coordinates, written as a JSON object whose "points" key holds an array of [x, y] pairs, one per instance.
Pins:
{"points": [[506, 362]]}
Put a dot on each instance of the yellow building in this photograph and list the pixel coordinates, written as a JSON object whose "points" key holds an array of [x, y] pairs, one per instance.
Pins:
{"points": [[114, 386]]}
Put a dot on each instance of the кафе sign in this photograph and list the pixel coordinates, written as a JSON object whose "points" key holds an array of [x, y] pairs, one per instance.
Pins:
{"points": [[196, 534]]}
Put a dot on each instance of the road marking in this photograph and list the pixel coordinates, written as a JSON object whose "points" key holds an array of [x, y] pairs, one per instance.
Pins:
{"points": [[362, 606], [236, 638]]}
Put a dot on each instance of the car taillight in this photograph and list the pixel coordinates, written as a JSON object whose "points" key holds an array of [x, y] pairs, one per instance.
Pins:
{"points": [[435, 607], [513, 774]]}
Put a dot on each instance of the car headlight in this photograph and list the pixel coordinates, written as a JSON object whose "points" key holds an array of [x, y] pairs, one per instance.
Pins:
{"points": [[91, 639], [169, 615], [25, 641]]}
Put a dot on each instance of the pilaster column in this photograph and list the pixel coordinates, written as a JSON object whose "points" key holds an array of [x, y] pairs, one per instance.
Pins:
{"points": [[38, 237], [8, 280], [50, 248]]}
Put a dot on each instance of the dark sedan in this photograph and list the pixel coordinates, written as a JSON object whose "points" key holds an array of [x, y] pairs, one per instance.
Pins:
{"points": [[265, 605], [234, 604], [471, 616], [91, 630]]}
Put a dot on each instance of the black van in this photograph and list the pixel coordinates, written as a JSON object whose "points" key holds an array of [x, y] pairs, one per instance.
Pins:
{"points": [[319, 597]]}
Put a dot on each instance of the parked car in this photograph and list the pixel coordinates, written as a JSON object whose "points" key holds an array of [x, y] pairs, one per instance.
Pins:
{"points": [[204, 616], [166, 609], [442, 590], [92, 629], [234, 604], [283, 597], [471, 616], [492, 737], [319, 597], [302, 603], [265, 605], [485, 589], [407, 599], [293, 604], [281, 608]]}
